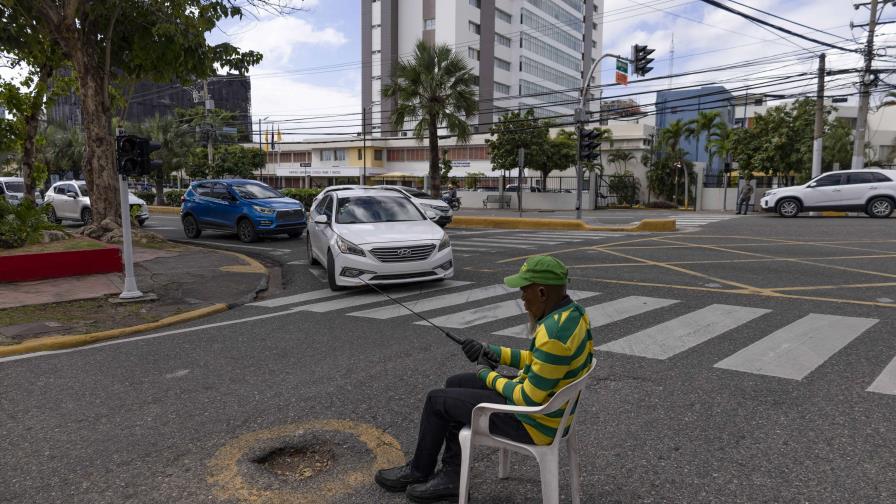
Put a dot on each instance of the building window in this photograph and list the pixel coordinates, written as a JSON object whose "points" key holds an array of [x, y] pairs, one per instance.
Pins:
{"points": [[544, 94], [378, 154], [473, 53], [549, 74], [476, 3], [339, 154], [503, 16], [502, 88], [549, 52], [550, 30], [560, 14], [594, 44], [326, 155], [473, 27], [476, 80], [377, 26], [502, 40], [377, 51], [429, 24], [502, 64], [360, 154]]}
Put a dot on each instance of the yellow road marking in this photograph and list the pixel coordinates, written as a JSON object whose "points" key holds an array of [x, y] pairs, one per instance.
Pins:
{"points": [[589, 247], [846, 286], [727, 261], [225, 475]]}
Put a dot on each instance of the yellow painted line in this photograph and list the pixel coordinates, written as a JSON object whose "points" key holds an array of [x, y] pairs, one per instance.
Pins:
{"points": [[823, 287], [251, 266], [728, 261], [229, 483], [563, 251], [48, 343], [164, 210], [645, 225], [663, 285]]}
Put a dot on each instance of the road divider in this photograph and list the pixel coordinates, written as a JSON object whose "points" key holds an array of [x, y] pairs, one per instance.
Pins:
{"points": [[164, 210], [646, 225]]}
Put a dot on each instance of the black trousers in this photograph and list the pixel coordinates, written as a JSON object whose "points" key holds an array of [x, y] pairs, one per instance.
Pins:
{"points": [[447, 411]]}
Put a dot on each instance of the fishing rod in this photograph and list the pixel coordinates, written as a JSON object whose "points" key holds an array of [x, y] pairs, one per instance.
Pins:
{"points": [[446, 333]]}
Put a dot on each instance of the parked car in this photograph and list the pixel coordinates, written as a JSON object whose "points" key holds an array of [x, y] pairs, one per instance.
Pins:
{"points": [[328, 190], [70, 201], [424, 200], [379, 237], [246, 207], [870, 191], [513, 188], [12, 189]]}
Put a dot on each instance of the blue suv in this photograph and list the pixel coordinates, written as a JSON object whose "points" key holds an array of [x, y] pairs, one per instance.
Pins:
{"points": [[246, 207]]}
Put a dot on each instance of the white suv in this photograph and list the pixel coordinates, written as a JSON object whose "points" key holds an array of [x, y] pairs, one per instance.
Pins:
{"points": [[68, 200], [869, 191]]}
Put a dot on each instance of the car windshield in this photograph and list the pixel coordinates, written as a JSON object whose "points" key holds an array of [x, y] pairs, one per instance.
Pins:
{"points": [[15, 187], [255, 191], [367, 209], [83, 189]]}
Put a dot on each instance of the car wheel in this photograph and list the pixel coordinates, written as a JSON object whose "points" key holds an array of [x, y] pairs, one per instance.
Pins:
{"points": [[53, 218], [311, 260], [191, 227], [331, 273], [297, 234], [86, 216], [246, 231], [788, 207], [880, 208], [141, 222]]}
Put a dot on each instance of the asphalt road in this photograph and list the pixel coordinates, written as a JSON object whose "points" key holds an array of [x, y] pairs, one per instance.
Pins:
{"points": [[749, 359]]}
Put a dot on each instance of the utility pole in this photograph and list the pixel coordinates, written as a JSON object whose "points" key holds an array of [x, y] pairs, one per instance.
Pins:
{"points": [[819, 119], [858, 146], [364, 143], [209, 104]]}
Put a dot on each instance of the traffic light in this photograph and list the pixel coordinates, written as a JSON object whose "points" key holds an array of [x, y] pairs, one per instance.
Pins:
{"points": [[640, 57], [589, 144], [132, 153]]}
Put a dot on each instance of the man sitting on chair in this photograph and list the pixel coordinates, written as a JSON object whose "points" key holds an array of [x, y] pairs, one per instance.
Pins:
{"points": [[560, 352]]}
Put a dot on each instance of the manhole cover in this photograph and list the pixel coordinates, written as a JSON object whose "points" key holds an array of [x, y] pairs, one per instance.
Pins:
{"points": [[297, 462]]}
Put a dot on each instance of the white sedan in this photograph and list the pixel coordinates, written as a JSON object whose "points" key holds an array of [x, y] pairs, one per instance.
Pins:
{"points": [[378, 237]]}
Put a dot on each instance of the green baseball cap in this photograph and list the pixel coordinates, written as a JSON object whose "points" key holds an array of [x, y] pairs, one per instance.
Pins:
{"points": [[544, 270]]}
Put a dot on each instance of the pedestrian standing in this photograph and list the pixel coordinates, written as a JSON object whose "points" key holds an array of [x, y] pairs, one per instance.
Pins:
{"points": [[745, 197]]}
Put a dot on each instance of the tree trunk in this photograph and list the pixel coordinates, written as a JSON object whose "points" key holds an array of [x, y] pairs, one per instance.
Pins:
{"points": [[31, 125], [99, 153], [160, 188], [434, 173]]}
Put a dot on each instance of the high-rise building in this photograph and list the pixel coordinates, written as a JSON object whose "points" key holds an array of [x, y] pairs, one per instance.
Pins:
{"points": [[525, 53]]}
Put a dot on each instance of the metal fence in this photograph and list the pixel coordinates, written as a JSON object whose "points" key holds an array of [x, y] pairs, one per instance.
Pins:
{"points": [[617, 191]]}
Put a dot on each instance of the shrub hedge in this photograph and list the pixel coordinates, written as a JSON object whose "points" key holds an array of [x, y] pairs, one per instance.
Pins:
{"points": [[306, 196], [22, 224]]}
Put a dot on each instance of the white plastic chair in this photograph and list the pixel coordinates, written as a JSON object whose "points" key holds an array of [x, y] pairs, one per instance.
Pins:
{"points": [[548, 456]]}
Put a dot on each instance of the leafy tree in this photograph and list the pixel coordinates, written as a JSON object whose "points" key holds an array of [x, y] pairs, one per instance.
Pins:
{"points": [[445, 167], [237, 161], [60, 150], [670, 138], [705, 122], [513, 131], [472, 180], [108, 40], [620, 158], [434, 89], [719, 142], [557, 153], [837, 145], [175, 142]]}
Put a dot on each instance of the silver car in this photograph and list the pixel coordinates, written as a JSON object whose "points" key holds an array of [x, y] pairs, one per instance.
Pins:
{"points": [[69, 201], [870, 191]]}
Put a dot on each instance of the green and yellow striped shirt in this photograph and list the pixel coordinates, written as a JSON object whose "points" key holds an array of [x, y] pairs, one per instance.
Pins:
{"points": [[559, 353]]}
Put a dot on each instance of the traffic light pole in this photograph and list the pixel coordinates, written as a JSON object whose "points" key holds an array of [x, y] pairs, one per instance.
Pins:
{"points": [[130, 290], [580, 126]]}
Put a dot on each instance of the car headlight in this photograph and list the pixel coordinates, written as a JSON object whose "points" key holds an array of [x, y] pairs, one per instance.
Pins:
{"points": [[263, 210], [347, 247], [445, 243], [769, 193]]}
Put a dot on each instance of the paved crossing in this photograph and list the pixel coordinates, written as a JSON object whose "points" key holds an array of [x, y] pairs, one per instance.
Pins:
{"points": [[698, 220], [464, 241], [792, 352]]}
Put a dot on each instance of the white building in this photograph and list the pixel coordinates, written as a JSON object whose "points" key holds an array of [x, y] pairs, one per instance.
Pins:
{"points": [[525, 53]]}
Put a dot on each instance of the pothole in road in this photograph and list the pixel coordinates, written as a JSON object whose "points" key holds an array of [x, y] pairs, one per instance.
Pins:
{"points": [[296, 463]]}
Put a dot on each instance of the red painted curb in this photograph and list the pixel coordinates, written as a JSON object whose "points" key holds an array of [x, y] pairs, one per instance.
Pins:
{"points": [[29, 267]]}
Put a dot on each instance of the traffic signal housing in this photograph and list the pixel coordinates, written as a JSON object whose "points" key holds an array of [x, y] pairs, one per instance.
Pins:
{"points": [[133, 155], [589, 145], [641, 59]]}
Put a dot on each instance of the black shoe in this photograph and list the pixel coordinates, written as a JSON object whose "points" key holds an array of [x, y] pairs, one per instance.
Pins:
{"points": [[398, 478], [443, 486]]}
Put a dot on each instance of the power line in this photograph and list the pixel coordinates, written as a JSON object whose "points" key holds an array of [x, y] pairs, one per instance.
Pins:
{"points": [[789, 21]]}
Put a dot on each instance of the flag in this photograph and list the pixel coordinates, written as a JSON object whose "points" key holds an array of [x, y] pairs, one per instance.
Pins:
{"points": [[265, 141], [279, 135]]}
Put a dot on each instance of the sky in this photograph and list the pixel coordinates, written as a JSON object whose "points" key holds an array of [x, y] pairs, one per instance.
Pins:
{"points": [[311, 69]]}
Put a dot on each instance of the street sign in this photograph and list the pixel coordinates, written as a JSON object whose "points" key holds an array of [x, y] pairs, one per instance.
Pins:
{"points": [[621, 78], [621, 66]]}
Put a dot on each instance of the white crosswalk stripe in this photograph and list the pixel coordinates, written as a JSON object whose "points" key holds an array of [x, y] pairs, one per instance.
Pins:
{"points": [[700, 220], [492, 312], [490, 243], [605, 313], [677, 335], [794, 351]]}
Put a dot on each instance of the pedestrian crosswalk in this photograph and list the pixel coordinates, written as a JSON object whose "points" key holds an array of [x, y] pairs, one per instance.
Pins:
{"points": [[793, 351], [509, 240], [699, 220]]}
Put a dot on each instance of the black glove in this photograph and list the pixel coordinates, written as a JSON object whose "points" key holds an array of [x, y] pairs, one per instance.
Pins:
{"points": [[472, 349], [486, 359]]}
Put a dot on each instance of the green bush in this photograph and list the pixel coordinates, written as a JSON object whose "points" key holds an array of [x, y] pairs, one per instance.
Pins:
{"points": [[148, 196], [172, 198], [306, 196], [660, 204], [22, 224], [626, 187]]}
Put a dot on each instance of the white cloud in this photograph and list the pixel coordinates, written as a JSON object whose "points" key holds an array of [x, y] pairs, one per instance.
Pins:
{"points": [[277, 37], [284, 98]]}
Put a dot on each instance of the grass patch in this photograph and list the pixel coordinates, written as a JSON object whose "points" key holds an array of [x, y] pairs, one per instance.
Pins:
{"points": [[56, 246]]}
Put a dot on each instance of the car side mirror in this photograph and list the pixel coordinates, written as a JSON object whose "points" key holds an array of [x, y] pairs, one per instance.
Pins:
{"points": [[322, 219], [431, 215], [72, 195]]}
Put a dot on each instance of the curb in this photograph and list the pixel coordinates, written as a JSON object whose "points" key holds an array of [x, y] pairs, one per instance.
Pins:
{"points": [[562, 224], [164, 210], [48, 343]]}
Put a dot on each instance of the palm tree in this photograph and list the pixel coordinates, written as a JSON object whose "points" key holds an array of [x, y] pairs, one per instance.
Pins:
{"points": [[175, 144], [705, 121], [435, 89], [621, 158], [719, 142], [670, 137]]}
